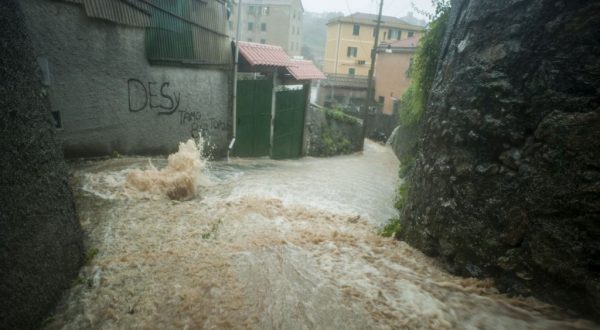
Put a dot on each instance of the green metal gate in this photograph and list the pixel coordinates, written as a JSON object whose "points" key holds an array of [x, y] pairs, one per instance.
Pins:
{"points": [[253, 118], [289, 124]]}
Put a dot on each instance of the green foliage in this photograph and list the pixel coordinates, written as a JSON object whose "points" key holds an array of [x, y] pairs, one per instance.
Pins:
{"points": [[339, 115], [391, 228], [333, 143], [423, 72], [414, 100], [90, 255], [401, 195], [406, 165]]}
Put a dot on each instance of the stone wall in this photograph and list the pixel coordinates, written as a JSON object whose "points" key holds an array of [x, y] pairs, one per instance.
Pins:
{"points": [[507, 178], [40, 237], [109, 98], [329, 135]]}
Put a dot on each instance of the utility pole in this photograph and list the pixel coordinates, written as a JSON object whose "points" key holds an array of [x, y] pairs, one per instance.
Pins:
{"points": [[369, 100]]}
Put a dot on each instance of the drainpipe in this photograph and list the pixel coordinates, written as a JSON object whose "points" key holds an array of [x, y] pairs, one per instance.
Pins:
{"points": [[235, 74], [273, 103]]}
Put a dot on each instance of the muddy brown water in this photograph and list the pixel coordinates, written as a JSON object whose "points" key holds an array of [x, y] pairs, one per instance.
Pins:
{"points": [[264, 244]]}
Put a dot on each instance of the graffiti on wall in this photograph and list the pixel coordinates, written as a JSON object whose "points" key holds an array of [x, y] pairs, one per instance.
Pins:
{"points": [[151, 95], [163, 99]]}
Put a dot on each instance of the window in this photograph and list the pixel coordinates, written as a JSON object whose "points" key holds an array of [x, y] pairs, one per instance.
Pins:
{"points": [[352, 52], [381, 99], [356, 30], [250, 26], [384, 35], [265, 10], [411, 34], [352, 71], [251, 10], [250, 40], [361, 62], [394, 34], [263, 26], [263, 41]]}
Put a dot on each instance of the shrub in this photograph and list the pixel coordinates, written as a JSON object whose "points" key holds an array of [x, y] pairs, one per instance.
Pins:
{"points": [[414, 99]]}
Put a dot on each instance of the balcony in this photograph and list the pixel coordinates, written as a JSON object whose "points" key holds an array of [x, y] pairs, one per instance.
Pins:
{"points": [[345, 80]]}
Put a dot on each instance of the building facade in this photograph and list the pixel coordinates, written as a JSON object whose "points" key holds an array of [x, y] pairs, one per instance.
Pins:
{"points": [[133, 78], [393, 72], [274, 22], [351, 38]]}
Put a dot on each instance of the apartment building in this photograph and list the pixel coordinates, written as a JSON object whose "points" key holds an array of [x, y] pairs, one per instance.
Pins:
{"points": [[274, 22], [350, 40], [393, 72]]}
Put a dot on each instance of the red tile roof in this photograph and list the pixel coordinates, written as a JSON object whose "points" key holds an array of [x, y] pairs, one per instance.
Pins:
{"points": [[304, 70], [262, 54]]}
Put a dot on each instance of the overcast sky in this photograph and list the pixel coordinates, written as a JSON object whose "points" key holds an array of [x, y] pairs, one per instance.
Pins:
{"points": [[390, 7]]}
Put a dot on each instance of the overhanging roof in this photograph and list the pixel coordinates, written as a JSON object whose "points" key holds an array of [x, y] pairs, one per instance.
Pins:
{"points": [[261, 56], [305, 70], [264, 55]]}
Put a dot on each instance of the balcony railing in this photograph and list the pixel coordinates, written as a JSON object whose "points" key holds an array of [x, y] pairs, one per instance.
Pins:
{"points": [[345, 80]]}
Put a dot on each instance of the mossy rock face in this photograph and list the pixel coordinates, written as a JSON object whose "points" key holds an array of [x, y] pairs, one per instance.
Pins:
{"points": [[506, 171], [40, 237]]}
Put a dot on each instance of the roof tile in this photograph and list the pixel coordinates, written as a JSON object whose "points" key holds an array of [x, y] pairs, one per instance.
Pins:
{"points": [[305, 70], [262, 54]]}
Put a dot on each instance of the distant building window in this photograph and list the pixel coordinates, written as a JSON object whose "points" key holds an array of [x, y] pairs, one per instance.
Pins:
{"points": [[266, 10], [250, 26], [263, 41], [381, 99], [356, 30], [251, 10], [411, 34], [263, 26], [352, 52], [394, 34], [384, 35], [250, 40], [352, 71], [361, 62]]}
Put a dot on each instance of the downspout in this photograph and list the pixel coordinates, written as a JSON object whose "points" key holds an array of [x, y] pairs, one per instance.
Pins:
{"points": [[273, 104], [235, 74]]}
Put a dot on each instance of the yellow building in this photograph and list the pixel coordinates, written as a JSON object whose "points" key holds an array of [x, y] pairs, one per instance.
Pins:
{"points": [[350, 40]]}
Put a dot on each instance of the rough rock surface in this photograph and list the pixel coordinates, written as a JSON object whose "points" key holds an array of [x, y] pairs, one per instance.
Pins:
{"points": [[40, 236], [507, 176], [329, 136]]}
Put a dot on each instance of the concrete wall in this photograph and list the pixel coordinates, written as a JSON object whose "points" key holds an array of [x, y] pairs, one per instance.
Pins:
{"points": [[40, 237], [110, 98]]}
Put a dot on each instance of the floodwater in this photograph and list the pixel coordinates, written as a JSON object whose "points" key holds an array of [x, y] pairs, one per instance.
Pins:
{"points": [[264, 244]]}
